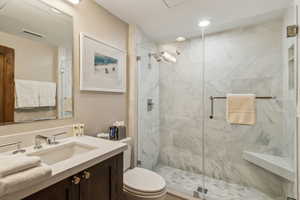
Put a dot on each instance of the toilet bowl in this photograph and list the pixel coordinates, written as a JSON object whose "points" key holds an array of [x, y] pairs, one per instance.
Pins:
{"points": [[139, 183]]}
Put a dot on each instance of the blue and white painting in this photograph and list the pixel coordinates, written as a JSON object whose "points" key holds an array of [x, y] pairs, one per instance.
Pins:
{"points": [[103, 67], [105, 64]]}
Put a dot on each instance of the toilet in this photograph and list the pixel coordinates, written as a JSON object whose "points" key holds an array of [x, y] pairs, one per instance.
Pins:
{"points": [[139, 183]]}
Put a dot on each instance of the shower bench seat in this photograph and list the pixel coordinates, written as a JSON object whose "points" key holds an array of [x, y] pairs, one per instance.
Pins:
{"points": [[280, 166]]}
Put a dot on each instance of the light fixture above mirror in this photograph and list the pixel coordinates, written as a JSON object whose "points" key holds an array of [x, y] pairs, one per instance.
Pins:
{"points": [[204, 23], [180, 39], [74, 1]]}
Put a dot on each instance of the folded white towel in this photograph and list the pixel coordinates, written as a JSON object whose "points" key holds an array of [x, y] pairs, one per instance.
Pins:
{"points": [[13, 164], [27, 94], [24, 179], [47, 94]]}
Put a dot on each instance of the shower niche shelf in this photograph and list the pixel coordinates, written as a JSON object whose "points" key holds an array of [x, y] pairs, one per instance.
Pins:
{"points": [[277, 165], [291, 67]]}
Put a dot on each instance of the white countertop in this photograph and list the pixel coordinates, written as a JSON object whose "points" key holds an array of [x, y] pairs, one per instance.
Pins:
{"points": [[278, 165], [104, 149]]}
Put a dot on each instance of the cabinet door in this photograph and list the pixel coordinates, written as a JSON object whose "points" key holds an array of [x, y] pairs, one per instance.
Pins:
{"points": [[64, 190], [117, 178], [103, 181]]}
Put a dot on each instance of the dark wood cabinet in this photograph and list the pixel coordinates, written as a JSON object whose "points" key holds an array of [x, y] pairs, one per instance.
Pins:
{"points": [[60, 191], [103, 181]]}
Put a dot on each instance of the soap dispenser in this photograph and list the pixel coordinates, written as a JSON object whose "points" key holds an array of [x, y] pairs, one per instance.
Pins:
{"points": [[81, 129], [76, 130]]}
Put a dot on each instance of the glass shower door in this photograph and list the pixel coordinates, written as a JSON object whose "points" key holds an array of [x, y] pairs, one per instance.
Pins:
{"points": [[148, 105], [169, 128], [181, 118], [251, 154]]}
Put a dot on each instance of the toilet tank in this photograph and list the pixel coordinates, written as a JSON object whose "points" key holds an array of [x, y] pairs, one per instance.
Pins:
{"points": [[127, 153]]}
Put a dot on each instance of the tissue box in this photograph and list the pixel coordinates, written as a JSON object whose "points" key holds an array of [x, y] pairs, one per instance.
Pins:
{"points": [[121, 132], [117, 132]]}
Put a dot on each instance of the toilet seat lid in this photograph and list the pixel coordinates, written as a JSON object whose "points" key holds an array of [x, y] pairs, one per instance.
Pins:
{"points": [[144, 180]]}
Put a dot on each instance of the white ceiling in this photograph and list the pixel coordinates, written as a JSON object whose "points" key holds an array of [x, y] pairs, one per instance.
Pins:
{"points": [[164, 20]]}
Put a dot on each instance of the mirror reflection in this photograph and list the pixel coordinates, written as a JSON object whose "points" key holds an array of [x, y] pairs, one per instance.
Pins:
{"points": [[36, 47]]}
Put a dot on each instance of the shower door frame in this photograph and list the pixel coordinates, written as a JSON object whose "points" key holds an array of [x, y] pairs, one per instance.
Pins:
{"points": [[297, 159]]}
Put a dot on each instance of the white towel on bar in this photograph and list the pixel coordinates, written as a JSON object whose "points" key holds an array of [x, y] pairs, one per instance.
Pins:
{"points": [[47, 94], [14, 164], [241, 109], [27, 94], [24, 179]]}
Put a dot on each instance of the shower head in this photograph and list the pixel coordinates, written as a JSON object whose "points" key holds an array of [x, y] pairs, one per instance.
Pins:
{"points": [[167, 57], [164, 56], [156, 56]]}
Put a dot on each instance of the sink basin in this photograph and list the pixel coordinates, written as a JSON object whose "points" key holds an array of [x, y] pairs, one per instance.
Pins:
{"points": [[62, 152]]}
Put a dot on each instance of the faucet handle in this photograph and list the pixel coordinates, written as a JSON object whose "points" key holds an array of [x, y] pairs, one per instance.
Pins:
{"points": [[19, 150]]}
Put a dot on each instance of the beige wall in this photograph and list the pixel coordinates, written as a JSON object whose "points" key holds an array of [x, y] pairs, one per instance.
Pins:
{"points": [[33, 60], [97, 110]]}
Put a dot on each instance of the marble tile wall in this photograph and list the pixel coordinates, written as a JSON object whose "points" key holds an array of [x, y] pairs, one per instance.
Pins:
{"points": [[241, 60], [148, 88]]}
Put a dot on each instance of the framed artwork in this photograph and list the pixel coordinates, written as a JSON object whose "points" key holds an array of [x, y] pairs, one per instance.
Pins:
{"points": [[102, 66]]}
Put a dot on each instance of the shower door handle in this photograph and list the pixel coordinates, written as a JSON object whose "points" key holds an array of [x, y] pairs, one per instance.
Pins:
{"points": [[211, 107], [150, 105]]}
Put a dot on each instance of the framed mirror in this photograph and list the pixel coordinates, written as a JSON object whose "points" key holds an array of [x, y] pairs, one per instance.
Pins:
{"points": [[36, 62]]}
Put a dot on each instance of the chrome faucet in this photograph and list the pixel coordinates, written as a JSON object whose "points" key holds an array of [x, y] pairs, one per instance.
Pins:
{"points": [[18, 144], [38, 141], [50, 140]]}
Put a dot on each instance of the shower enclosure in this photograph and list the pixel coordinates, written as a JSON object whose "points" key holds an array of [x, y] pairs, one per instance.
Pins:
{"points": [[183, 133]]}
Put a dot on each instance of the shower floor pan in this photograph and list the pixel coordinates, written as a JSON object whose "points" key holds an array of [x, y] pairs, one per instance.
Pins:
{"points": [[186, 182]]}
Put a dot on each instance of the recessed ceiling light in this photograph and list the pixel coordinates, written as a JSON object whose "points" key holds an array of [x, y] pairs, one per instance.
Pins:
{"points": [[180, 39], [204, 23], [74, 1]]}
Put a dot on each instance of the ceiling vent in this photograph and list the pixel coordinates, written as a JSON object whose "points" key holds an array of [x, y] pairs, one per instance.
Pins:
{"points": [[32, 34], [173, 3]]}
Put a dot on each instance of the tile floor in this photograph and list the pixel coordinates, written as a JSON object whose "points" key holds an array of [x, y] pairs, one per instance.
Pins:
{"points": [[187, 182]]}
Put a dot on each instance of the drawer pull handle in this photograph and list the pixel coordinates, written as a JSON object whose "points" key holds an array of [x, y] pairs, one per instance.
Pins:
{"points": [[86, 175], [76, 180]]}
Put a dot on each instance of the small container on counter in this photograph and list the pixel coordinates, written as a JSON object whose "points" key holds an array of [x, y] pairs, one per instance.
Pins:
{"points": [[117, 132]]}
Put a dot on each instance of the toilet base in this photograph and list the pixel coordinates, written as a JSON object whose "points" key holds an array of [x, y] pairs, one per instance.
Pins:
{"points": [[129, 196]]}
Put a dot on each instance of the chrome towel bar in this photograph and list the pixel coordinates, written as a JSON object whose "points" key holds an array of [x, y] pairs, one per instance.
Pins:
{"points": [[212, 98]]}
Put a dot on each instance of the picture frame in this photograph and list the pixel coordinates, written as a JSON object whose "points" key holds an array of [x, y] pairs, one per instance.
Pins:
{"points": [[102, 66]]}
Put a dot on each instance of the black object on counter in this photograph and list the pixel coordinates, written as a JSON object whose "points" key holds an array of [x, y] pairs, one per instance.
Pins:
{"points": [[117, 132]]}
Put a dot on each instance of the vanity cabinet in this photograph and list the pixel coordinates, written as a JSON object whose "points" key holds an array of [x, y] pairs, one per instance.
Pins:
{"points": [[103, 181]]}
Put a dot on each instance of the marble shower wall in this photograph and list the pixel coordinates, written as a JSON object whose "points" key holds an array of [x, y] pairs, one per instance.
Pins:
{"points": [[241, 60], [148, 88]]}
